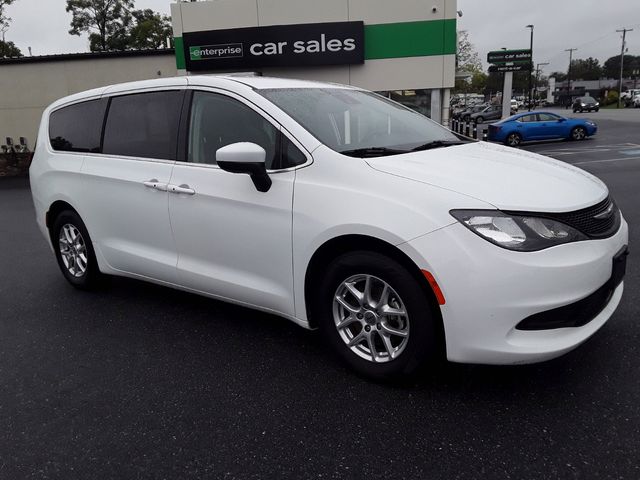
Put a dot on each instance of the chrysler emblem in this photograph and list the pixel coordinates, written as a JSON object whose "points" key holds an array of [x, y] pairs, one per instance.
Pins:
{"points": [[606, 214]]}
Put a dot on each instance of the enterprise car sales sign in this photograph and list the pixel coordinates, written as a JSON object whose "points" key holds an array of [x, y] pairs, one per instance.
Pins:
{"points": [[275, 46], [509, 56]]}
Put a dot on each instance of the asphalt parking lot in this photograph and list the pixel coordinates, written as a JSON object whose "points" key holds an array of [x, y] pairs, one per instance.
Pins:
{"points": [[140, 381]]}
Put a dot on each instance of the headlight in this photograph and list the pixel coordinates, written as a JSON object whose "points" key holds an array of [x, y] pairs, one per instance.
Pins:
{"points": [[597, 104], [516, 232], [583, 104]]}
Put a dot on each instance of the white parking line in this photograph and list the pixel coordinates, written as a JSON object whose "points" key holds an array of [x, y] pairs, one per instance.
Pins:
{"points": [[606, 160]]}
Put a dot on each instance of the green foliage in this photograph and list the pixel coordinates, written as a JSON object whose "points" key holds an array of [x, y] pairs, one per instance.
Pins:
{"points": [[559, 76], [4, 20], [8, 49], [612, 66], [106, 21], [588, 69], [467, 59], [612, 96], [479, 82], [150, 31]]}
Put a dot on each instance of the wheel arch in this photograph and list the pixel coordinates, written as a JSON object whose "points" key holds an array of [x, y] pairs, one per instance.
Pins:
{"points": [[55, 209], [336, 246]]}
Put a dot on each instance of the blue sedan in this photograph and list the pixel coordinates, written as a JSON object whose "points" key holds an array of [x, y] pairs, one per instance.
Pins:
{"points": [[528, 126]]}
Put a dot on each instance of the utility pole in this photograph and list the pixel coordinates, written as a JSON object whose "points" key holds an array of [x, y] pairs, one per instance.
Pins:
{"points": [[570, 50], [624, 34], [538, 76], [529, 71]]}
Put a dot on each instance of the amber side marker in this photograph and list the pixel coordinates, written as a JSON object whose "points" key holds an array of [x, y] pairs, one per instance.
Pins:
{"points": [[434, 286]]}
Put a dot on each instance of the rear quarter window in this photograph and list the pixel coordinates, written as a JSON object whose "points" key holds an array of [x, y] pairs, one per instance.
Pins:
{"points": [[78, 127]]}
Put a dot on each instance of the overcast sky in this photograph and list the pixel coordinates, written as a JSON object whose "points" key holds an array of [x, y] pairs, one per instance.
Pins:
{"points": [[588, 25]]}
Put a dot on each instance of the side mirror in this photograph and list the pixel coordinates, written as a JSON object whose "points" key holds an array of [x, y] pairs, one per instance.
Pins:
{"points": [[245, 157], [562, 119]]}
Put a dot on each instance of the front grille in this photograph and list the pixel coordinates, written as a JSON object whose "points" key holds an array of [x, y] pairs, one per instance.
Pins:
{"points": [[583, 220]]}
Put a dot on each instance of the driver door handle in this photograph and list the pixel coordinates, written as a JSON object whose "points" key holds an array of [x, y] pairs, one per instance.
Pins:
{"points": [[184, 188]]}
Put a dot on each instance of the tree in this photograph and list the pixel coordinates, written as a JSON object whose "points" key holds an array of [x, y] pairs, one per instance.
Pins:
{"points": [[150, 31], [612, 66], [4, 20], [559, 76], [106, 21], [467, 59], [9, 49], [588, 69]]}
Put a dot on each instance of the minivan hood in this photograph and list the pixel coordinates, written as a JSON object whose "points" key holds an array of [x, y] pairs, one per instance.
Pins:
{"points": [[507, 178]]}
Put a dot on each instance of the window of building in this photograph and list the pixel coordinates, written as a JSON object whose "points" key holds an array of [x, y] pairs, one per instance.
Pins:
{"points": [[77, 128], [144, 125]]}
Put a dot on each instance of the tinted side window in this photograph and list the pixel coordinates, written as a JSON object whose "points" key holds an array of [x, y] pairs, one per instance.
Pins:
{"points": [[217, 121], [77, 128], [144, 125]]}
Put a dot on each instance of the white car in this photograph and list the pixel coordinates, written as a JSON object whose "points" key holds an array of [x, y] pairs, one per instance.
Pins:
{"points": [[335, 208]]}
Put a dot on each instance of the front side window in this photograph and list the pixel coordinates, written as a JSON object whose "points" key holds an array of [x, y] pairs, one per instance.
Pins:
{"points": [[347, 120], [217, 121], [78, 127], [144, 125]]}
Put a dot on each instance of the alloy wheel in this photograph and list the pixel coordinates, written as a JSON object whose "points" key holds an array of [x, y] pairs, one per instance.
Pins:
{"points": [[513, 140], [73, 250], [578, 133], [371, 318]]}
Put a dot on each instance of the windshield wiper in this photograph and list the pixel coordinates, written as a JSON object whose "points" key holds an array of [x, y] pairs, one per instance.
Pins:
{"points": [[373, 152], [437, 144]]}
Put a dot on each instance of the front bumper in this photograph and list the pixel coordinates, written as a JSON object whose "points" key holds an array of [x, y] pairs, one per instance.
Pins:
{"points": [[490, 290]]}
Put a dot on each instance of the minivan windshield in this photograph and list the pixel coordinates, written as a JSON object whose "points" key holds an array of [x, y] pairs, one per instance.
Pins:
{"points": [[360, 123]]}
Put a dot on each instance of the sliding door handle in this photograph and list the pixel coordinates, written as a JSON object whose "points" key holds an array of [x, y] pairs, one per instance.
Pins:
{"points": [[185, 189]]}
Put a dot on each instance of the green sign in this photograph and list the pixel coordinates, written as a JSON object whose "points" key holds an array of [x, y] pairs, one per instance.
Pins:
{"points": [[509, 56]]}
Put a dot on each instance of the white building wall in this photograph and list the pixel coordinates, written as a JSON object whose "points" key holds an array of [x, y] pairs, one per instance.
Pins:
{"points": [[429, 72], [29, 87]]}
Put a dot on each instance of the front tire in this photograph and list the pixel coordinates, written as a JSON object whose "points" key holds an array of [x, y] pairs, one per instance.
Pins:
{"points": [[578, 133], [74, 251], [479, 119], [376, 316]]}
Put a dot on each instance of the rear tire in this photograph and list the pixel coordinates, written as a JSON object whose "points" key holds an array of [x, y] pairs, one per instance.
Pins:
{"points": [[74, 251], [388, 333], [479, 119], [513, 140]]}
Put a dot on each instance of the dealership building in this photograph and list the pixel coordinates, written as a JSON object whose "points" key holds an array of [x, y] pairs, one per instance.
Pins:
{"points": [[403, 49]]}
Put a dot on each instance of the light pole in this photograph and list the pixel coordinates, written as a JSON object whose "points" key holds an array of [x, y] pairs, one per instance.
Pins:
{"points": [[531, 48], [538, 76]]}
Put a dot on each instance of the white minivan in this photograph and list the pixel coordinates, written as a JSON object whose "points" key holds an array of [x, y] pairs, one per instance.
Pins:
{"points": [[336, 208]]}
